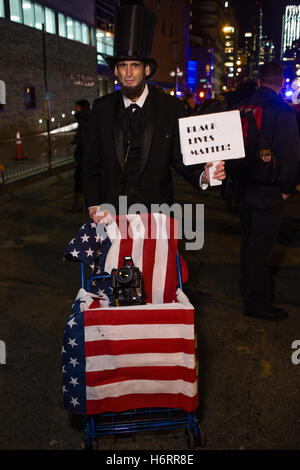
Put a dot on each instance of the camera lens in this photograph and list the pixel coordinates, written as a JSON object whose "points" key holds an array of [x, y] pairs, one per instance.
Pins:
{"points": [[124, 275]]}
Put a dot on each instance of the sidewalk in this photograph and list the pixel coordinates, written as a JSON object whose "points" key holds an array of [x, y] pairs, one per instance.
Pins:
{"points": [[248, 384]]}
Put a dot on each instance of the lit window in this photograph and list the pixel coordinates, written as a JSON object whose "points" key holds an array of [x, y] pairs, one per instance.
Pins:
{"points": [[85, 34], [70, 28], [101, 47], [39, 16], [228, 29], [50, 21], [105, 42], [110, 45], [77, 28], [15, 11], [28, 13], [2, 12], [62, 29]]}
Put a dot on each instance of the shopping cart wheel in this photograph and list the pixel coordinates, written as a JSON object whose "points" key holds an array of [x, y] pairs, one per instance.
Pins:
{"points": [[89, 446], [195, 437]]}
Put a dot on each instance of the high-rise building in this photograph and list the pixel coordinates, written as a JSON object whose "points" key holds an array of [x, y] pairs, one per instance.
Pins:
{"points": [[170, 43], [290, 27], [266, 50], [231, 61], [207, 22], [256, 49]]}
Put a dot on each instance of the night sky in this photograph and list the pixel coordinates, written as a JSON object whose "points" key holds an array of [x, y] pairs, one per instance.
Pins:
{"points": [[272, 16]]}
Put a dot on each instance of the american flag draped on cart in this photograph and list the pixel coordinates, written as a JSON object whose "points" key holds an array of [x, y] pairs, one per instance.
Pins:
{"points": [[118, 358], [103, 248]]}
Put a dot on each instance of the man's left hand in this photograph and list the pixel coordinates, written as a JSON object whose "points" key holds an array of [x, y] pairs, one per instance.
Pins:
{"points": [[218, 174]]}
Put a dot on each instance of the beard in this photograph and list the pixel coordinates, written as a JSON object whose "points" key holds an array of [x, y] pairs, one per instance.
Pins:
{"points": [[133, 92]]}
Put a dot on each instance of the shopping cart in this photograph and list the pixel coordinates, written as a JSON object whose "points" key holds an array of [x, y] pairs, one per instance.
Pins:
{"points": [[119, 394]]}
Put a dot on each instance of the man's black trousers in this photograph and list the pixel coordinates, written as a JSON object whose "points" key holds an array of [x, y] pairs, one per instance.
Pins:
{"points": [[261, 215]]}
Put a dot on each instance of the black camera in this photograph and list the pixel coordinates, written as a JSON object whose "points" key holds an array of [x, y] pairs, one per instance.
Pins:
{"points": [[127, 285]]}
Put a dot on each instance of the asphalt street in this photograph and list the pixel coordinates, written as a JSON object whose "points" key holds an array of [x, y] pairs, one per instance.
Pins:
{"points": [[248, 383]]}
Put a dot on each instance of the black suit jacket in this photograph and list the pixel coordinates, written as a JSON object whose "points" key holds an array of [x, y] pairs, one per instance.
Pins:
{"points": [[103, 163]]}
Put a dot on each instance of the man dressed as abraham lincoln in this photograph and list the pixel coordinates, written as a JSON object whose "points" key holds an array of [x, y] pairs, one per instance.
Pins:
{"points": [[133, 138]]}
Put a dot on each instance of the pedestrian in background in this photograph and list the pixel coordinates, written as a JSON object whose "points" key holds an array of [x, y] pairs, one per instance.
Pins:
{"points": [[265, 179], [82, 114], [190, 104]]}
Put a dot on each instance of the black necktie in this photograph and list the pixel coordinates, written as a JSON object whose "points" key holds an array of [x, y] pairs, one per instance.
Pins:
{"points": [[133, 114]]}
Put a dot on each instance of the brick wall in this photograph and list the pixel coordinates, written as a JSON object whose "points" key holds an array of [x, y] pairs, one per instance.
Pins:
{"points": [[71, 73]]}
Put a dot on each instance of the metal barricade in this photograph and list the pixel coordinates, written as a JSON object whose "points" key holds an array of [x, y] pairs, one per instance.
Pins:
{"points": [[39, 156]]}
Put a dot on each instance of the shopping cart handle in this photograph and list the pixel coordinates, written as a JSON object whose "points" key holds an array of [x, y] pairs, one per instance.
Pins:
{"points": [[179, 270], [86, 284]]}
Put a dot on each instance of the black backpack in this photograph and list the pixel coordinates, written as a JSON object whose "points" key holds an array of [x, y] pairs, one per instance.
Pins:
{"points": [[259, 165]]}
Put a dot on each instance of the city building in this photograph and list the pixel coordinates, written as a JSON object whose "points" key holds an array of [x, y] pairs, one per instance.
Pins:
{"points": [[48, 61], [246, 54], [207, 21], [267, 50], [104, 25], [232, 60], [252, 43], [290, 27], [170, 43]]}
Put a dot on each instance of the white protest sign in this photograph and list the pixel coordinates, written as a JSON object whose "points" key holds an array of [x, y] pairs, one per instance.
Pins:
{"points": [[211, 137]]}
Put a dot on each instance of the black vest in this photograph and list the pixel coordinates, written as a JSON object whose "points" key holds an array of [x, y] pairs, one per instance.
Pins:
{"points": [[134, 124]]}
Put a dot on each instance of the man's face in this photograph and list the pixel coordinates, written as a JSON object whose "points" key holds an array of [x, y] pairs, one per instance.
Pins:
{"points": [[132, 77]]}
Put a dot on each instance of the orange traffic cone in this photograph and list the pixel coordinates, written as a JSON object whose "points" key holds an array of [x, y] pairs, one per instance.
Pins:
{"points": [[19, 147], [2, 169]]}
